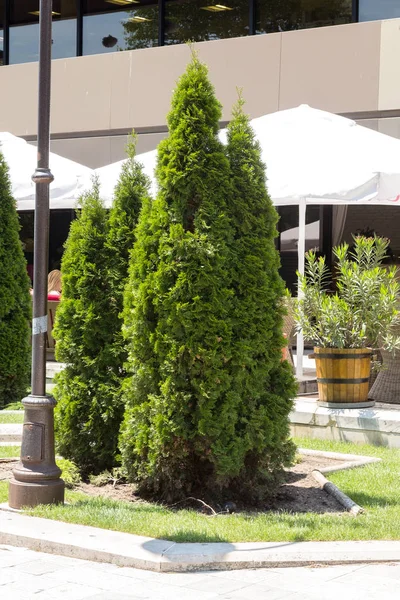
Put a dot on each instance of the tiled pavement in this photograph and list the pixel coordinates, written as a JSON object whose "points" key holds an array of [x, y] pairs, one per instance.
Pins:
{"points": [[26, 575]]}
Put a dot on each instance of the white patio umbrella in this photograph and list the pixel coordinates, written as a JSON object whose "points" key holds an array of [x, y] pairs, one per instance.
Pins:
{"points": [[109, 175], [70, 178], [315, 157]]}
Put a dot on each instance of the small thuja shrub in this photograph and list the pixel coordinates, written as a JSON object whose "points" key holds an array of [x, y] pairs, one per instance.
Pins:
{"points": [[87, 417], [15, 300], [262, 385], [131, 191], [198, 420], [177, 306]]}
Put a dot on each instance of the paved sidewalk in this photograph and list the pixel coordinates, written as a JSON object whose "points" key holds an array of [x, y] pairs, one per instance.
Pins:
{"points": [[28, 575], [140, 552]]}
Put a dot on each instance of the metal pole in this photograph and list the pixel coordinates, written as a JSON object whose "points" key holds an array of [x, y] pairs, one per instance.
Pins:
{"points": [[301, 250], [37, 477]]}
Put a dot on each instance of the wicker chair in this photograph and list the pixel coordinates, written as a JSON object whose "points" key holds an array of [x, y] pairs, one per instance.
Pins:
{"points": [[386, 387], [289, 328]]}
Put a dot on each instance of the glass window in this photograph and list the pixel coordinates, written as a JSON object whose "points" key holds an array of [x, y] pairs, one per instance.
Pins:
{"points": [[286, 15], [24, 30], [198, 20], [1, 31], [113, 25], [288, 227], [371, 10]]}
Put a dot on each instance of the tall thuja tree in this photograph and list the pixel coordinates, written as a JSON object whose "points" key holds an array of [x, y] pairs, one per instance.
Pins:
{"points": [[87, 418], [264, 384], [177, 307], [131, 191], [15, 300]]}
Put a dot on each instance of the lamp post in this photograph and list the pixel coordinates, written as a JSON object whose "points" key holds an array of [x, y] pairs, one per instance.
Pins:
{"points": [[36, 477]]}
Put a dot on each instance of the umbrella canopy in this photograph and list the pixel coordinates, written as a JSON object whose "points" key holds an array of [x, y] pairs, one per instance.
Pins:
{"points": [[311, 157], [309, 154], [109, 175], [326, 158], [70, 178]]}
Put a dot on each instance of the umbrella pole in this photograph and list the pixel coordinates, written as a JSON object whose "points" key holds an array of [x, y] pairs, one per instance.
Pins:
{"points": [[301, 249]]}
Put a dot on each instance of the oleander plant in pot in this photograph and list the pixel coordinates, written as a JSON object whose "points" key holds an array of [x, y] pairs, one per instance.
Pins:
{"points": [[363, 313]]}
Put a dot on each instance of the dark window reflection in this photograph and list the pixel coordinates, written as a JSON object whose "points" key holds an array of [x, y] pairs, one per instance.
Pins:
{"points": [[198, 20], [113, 25], [288, 227], [24, 30], [286, 15], [371, 10], [1, 31]]}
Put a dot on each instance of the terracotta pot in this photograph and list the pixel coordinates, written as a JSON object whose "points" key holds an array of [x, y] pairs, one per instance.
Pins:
{"points": [[343, 375]]}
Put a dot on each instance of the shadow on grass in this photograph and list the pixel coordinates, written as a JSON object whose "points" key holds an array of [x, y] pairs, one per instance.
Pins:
{"points": [[372, 500]]}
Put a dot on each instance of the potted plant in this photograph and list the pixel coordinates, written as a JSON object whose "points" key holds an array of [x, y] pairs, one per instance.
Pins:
{"points": [[362, 314]]}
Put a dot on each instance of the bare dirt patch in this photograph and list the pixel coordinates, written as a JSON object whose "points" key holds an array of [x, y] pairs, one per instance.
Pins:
{"points": [[298, 494]]}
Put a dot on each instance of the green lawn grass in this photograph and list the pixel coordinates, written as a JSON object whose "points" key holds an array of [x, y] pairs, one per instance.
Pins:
{"points": [[7, 452], [7, 417], [375, 487]]}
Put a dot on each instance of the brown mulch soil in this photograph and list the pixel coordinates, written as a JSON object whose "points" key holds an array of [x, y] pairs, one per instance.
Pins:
{"points": [[298, 494]]}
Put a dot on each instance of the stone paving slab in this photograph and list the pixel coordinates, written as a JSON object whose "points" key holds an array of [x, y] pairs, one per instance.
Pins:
{"points": [[10, 432], [123, 549], [28, 575]]}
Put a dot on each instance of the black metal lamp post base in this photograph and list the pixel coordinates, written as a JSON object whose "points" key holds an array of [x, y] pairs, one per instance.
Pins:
{"points": [[21, 493], [36, 477]]}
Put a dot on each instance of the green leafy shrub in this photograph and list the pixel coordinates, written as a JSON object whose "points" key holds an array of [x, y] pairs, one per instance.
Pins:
{"points": [[197, 420], [88, 414], [365, 309], [70, 472], [15, 300]]}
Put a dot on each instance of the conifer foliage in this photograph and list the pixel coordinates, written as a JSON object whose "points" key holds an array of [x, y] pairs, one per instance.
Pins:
{"points": [[15, 300], [87, 417], [208, 400], [265, 385], [131, 191]]}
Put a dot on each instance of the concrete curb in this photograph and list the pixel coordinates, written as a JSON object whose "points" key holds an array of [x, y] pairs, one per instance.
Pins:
{"points": [[124, 549]]}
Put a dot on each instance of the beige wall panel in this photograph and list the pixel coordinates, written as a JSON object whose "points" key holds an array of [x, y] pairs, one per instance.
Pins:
{"points": [[390, 126], [370, 123], [133, 89], [81, 93], [18, 99], [145, 142], [95, 152], [331, 68], [232, 63], [92, 152], [251, 63], [389, 88]]}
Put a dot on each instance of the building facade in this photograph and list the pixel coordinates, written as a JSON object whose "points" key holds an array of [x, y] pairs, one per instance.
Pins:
{"points": [[116, 63]]}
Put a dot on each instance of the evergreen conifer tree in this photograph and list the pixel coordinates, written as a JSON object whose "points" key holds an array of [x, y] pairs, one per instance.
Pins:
{"points": [[131, 191], [264, 384], [15, 300], [87, 417], [177, 306]]}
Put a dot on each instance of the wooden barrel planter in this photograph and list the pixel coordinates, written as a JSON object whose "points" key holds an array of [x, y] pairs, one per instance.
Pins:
{"points": [[343, 377]]}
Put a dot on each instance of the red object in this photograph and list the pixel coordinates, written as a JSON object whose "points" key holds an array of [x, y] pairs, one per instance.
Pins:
{"points": [[285, 350], [53, 297]]}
